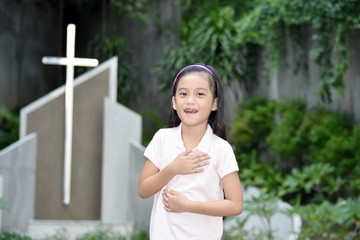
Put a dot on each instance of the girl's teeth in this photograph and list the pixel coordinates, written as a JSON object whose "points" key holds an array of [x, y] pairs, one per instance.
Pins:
{"points": [[190, 111]]}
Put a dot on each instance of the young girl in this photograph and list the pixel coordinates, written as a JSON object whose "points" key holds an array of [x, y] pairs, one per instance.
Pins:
{"points": [[190, 167]]}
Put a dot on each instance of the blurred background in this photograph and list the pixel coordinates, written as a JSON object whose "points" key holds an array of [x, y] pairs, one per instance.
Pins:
{"points": [[290, 71]]}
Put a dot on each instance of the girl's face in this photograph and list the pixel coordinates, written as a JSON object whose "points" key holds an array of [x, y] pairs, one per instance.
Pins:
{"points": [[194, 99]]}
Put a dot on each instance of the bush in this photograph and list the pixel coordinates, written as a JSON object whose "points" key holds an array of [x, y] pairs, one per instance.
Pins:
{"points": [[252, 124], [312, 154], [13, 236], [255, 172], [311, 182], [9, 127], [331, 221], [102, 232]]}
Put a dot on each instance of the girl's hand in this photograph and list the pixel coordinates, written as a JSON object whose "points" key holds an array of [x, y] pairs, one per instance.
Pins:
{"points": [[174, 201], [189, 162]]}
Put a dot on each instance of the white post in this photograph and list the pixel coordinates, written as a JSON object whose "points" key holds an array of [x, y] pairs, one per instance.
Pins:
{"points": [[69, 102]]}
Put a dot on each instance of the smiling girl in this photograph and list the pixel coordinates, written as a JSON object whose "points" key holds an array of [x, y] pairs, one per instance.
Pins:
{"points": [[190, 167]]}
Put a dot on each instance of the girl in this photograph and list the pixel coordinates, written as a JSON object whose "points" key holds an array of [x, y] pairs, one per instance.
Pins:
{"points": [[190, 167]]}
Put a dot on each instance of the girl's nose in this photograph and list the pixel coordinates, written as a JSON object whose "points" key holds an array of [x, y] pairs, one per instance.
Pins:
{"points": [[190, 98]]}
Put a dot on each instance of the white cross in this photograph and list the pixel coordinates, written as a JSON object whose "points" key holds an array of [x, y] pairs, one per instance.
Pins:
{"points": [[70, 62]]}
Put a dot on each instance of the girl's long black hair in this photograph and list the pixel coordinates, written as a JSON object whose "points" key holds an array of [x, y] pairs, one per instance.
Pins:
{"points": [[216, 118]]}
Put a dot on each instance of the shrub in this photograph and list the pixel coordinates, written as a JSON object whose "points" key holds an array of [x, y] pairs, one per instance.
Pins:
{"points": [[331, 221], [315, 151], [255, 172], [312, 182], [9, 127], [252, 124], [13, 236], [284, 140]]}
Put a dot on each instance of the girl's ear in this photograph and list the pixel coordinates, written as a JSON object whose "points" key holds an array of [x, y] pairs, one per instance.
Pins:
{"points": [[214, 105], [173, 103]]}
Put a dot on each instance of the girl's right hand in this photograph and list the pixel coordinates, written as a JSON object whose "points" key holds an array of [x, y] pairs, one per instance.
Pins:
{"points": [[189, 162]]}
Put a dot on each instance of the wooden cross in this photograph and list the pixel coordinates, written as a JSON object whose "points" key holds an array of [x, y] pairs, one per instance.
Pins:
{"points": [[70, 62]]}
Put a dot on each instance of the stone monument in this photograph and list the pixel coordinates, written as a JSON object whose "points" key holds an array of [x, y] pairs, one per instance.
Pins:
{"points": [[106, 161]]}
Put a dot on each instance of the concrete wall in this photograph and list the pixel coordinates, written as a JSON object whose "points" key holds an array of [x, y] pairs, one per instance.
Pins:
{"points": [[284, 84], [18, 171], [121, 126], [139, 210], [28, 31]]}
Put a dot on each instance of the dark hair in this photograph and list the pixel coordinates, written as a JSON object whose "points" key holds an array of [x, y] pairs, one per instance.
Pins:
{"points": [[216, 118]]}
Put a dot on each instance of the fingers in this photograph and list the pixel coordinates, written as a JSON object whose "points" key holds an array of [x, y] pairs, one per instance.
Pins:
{"points": [[198, 170], [198, 167], [201, 161], [186, 152], [169, 193], [199, 157], [190, 161], [166, 205], [166, 199]]}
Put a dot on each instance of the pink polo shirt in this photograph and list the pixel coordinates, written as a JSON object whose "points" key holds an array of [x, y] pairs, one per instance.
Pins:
{"points": [[206, 186]]}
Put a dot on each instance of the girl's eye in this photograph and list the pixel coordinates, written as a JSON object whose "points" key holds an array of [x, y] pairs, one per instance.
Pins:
{"points": [[201, 94], [182, 94]]}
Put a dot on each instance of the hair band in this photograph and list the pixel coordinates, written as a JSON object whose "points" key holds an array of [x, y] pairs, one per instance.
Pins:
{"points": [[194, 65]]}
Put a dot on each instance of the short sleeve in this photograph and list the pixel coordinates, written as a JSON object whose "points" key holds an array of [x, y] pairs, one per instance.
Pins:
{"points": [[226, 160], [152, 151]]}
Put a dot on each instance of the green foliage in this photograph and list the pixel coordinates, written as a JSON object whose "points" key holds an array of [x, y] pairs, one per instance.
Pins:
{"points": [[252, 123], [139, 9], [308, 157], [9, 127], [255, 172], [311, 180], [331, 221], [340, 220], [226, 33], [270, 21], [13, 236], [303, 156], [324, 221], [283, 139], [264, 206], [155, 122], [208, 37], [102, 232], [140, 234], [60, 234], [103, 49]]}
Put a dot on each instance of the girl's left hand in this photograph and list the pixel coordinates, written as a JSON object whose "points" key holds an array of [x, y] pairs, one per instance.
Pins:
{"points": [[174, 201]]}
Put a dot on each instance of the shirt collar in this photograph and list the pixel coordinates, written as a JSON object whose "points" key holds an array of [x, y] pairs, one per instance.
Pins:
{"points": [[203, 146]]}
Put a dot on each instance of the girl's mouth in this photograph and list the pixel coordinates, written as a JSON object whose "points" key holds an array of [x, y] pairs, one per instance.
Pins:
{"points": [[189, 111]]}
